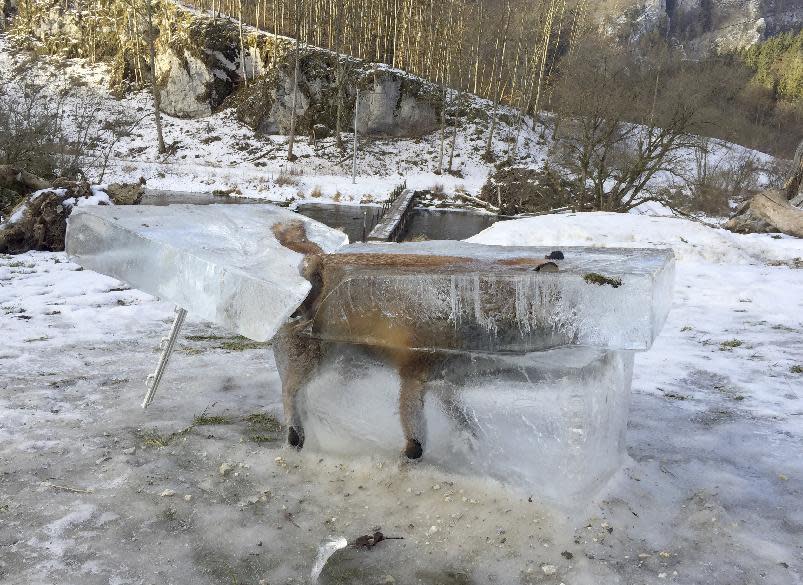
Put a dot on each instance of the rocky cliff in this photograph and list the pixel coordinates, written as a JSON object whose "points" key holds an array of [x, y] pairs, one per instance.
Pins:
{"points": [[701, 26], [203, 64]]}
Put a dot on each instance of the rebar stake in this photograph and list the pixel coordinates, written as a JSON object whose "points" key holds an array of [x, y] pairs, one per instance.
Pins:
{"points": [[168, 345]]}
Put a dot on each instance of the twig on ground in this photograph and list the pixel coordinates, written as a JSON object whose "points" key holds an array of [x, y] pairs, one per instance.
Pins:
{"points": [[289, 517], [68, 488]]}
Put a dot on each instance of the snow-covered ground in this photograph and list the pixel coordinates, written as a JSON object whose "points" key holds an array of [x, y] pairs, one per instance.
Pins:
{"points": [[200, 489]]}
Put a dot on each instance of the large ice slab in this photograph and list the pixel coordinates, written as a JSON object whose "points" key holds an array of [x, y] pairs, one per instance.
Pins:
{"points": [[221, 263], [491, 298], [552, 422]]}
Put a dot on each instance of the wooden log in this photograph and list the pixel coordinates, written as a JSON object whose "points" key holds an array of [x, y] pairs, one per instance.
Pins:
{"points": [[773, 207], [21, 181]]}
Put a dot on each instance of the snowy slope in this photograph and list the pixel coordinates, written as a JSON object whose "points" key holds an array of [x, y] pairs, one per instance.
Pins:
{"points": [[218, 152]]}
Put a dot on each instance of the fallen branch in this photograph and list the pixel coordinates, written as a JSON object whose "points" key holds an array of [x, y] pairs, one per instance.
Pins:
{"points": [[19, 180], [477, 201]]}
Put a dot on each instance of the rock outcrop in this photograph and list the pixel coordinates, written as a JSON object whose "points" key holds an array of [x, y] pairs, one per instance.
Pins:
{"points": [[392, 103], [701, 27], [202, 64]]}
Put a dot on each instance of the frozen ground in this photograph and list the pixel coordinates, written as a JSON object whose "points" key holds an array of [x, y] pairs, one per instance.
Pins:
{"points": [[200, 489]]}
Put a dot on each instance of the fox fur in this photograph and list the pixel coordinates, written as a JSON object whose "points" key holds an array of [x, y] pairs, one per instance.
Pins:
{"points": [[299, 356]]}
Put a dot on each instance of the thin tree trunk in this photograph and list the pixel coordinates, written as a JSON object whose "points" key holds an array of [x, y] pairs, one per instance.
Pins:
{"points": [[489, 144], [292, 138], [157, 100], [242, 43]]}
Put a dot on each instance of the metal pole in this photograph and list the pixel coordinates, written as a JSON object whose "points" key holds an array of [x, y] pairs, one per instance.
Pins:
{"points": [[354, 161], [168, 345]]}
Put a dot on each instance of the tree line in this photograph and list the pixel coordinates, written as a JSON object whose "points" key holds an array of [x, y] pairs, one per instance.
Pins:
{"points": [[497, 49]]}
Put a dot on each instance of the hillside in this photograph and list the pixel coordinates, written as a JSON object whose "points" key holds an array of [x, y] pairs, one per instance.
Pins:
{"points": [[219, 152]]}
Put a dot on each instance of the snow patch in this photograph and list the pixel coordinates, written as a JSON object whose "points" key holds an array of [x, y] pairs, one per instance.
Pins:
{"points": [[691, 241]]}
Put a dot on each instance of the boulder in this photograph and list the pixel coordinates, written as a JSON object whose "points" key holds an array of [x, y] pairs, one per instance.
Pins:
{"points": [[126, 193], [198, 67]]}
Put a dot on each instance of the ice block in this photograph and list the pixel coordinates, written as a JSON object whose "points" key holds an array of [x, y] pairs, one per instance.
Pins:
{"points": [[552, 422], [221, 263], [492, 299]]}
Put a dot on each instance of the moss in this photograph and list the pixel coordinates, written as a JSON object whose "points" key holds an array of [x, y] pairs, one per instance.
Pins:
{"points": [[255, 103], [155, 440], [204, 420], [264, 422], [236, 343], [241, 344], [601, 280], [731, 344]]}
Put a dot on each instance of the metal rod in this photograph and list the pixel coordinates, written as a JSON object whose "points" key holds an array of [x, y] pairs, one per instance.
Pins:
{"points": [[169, 345], [354, 160]]}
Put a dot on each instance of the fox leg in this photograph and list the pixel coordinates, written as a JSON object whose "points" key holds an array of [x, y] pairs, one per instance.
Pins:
{"points": [[290, 388], [298, 358], [414, 372]]}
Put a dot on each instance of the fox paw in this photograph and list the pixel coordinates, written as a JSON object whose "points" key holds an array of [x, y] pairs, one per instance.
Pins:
{"points": [[413, 450], [295, 437]]}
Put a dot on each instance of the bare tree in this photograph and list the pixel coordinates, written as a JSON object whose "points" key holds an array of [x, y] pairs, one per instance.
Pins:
{"points": [[157, 98], [613, 147], [299, 4], [500, 85]]}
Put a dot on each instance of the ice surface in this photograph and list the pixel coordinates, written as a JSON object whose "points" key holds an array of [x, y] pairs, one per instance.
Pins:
{"points": [[490, 298], [221, 263], [551, 421]]}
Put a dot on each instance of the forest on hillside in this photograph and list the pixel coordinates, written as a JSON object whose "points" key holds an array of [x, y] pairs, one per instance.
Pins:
{"points": [[519, 53]]}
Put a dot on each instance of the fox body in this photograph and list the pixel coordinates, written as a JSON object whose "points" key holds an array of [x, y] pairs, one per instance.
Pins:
{"points": [[298, 355]]}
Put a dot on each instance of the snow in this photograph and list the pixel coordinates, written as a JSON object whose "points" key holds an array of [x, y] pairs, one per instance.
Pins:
{"points": [[98, 197], [691, 241]]}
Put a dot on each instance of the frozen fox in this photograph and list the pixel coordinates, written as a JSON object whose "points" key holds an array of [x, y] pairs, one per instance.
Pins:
{"points": [[298, 356]]}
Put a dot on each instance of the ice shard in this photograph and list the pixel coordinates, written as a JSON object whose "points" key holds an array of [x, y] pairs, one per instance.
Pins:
{"points": [[471, 297], [221, 263]]}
